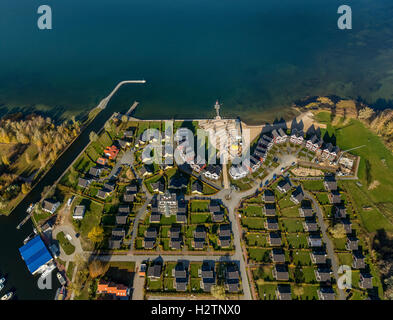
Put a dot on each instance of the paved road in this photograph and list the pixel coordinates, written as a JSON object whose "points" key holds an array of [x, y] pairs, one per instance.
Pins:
{"points": [[326, 240]]}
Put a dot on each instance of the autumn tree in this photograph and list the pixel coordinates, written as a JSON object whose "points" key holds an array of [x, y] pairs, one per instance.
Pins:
{"points": [[93, 136], [25, 188], [97, 268], [366, 113], [96, 234]]}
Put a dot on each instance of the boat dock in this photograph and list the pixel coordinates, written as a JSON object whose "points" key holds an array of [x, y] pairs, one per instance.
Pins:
{"points": [[24, 221], [132, 108]]}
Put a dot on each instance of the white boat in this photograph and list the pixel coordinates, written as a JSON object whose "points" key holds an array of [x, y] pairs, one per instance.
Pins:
{"points": [[1, 286], [2, 280], [61, 279], [30, 208], [7, 296]]}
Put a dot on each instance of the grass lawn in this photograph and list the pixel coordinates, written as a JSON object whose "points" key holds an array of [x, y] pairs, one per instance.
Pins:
{"points": [[267, 291], [253, 211], [308, 292], [259, 255], [292, 225], [345, 258], [297, 241], [302, 257], [253, 223], [322, 197], [154, 285], [92, 217], [256, 239], [194, 267], [286, 202], [199, 206], [70, 270], [313, 185], [290, 212], [168, 284], [200, 217], [65, 244]]}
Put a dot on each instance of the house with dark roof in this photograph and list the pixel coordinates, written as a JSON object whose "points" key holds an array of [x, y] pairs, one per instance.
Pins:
{"points": [[232, 279], [323, 274], [334, 197], [283, 292], [197, 187], [269, 209], [180, 274], [283, 186], [117, 237], [206, 272], [150, 238], [199, 238], [310, 225], [271, 224], [358, 261], [131, 189], [121, 218], [352, 243], [181, 217], [178, 183], [274, 239], [277, 255], [83, 183], [280, 272], [340, 212], [318, 256], [330, 183], [79, 212], [128, 197], [305, 211], [103, 193], [314, 240], [95, 172], [326, 293], [297, 196], [212, 171], [224, 235], [268, 196], [347, 224], [50, 206], [365, 280], [175, 241], [154, 271], [218, 216]]}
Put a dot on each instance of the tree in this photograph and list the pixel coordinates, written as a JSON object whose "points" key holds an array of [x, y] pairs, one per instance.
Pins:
{"points": [[338, 231], [218, 292], [366, 113], [93, 136], [97, 268], [298, 274], [48, 192], [124, 119], [25, 188], [107, 126], [5, 160], [96, 234]]}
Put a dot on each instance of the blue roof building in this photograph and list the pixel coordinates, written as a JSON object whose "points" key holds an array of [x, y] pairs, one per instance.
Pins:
{"points": [[35, 254]]}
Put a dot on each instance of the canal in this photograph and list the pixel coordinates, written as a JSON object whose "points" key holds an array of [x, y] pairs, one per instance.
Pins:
{"points": [[11, 264]]}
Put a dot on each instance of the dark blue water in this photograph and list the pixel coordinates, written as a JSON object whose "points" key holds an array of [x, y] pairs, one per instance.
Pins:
{"points": [[254, 55]]}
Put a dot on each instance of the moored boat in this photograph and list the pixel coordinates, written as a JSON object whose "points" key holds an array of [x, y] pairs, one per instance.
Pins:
{"points": [[7, 296], [1, 286]]}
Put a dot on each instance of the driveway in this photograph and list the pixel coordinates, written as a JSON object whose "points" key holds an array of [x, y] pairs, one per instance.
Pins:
{"points": [[326, 240], [67, 229]]}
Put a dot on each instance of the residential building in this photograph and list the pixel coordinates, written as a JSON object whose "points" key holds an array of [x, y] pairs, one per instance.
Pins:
{"points": [[224, 235], [232, 279], [50, 206], [283, 292], [83, 183], [326, 293], [280, 272], [154, 271], [365, 280], [314, 240], [111, 288], [358, 261], [334, 197], [111, 152], [206, 272], [277, 255], [199, 238], [297, 195], [269, 209], [283, 186], [180, 273], [268, 196], [274, 239], [322, 274], [79, 212], [352, 243], [310, 225], [318, 256], [95, 171], [271, 224]]}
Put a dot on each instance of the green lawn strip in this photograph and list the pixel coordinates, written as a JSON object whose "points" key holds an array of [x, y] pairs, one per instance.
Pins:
{"points": [[296, 241], [313, 185], [292, 225], [70, 270], [253, 223], [65, 244], [253, 211], [259, 254], [292, 212], [267, 291], [256, 239]]}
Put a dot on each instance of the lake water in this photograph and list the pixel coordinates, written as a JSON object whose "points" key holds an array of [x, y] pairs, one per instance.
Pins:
{"points": [[256, 56]]}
